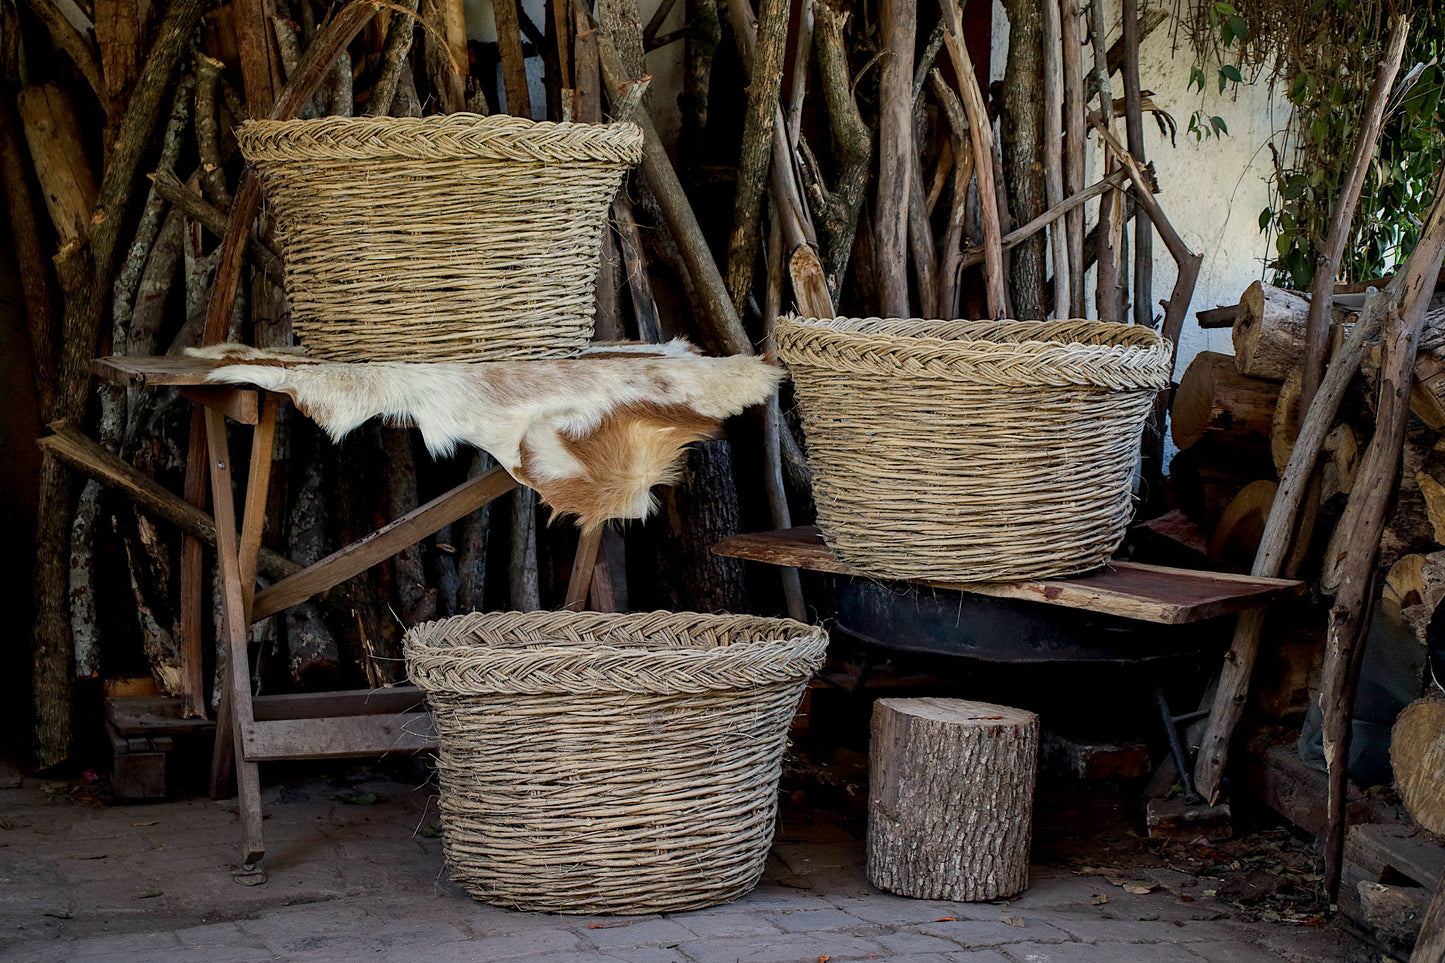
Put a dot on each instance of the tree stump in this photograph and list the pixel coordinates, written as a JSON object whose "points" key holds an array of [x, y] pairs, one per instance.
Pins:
{"points": [[950, 802]]}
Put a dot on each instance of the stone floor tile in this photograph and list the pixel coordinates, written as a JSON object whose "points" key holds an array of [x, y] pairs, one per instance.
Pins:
{"points": [[647, 932], [994, 932], [811, 920], [1102, 953], [789, 948], [905, 942]]}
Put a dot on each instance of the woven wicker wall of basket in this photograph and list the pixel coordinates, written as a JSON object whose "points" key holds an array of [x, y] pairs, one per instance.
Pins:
{"points": [[445, 238], [610, 763], [973, 450]]}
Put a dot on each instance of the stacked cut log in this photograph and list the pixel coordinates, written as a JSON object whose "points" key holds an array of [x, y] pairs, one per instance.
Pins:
{"points": [[1235, 419]]}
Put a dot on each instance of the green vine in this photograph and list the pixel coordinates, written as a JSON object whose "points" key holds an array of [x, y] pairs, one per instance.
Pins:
{"points": [[1326, 53]]}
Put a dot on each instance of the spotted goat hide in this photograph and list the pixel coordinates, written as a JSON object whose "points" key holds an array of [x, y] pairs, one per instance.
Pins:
{"points": [[591, 434]]}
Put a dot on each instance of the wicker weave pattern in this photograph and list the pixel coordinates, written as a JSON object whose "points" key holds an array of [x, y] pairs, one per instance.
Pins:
{"points": [[645, 781], [455, 238], [973, 451]]}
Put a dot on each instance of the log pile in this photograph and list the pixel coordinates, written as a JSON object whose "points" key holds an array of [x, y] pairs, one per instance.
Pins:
{"points": [[1360, 527]]}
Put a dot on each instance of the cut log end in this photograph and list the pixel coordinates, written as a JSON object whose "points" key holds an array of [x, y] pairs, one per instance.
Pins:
{"points": [[1417, 754]]}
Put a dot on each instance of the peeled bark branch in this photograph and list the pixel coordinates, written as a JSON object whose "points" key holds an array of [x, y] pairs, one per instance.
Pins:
{"points": [[853, 143], [898, 20], [1021, 126], [765, 66]]}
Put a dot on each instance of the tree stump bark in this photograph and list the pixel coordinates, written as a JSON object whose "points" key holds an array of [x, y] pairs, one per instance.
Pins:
{"points": [[950, 801]]}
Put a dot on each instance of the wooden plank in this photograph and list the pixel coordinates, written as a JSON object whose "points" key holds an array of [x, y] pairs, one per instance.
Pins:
{"points": [[1152, 593], [90, 459], [583, 565], [141, 370], [350, 702], [241, 405], [339, 736], [253, 515], [1381, 851], [384, 542]]}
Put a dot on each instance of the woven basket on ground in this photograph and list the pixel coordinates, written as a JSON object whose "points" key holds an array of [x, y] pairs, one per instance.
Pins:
{"points": [[603, 763], [448, 238], [973, 450]]}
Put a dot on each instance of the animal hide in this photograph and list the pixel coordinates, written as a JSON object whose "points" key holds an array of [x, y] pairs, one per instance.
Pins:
{"points": [[591, 434]]}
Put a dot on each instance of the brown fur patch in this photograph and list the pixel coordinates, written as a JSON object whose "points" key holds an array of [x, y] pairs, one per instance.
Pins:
{"points": [[634, 448]]}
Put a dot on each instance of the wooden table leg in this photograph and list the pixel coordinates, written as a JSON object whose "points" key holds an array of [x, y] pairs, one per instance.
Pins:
{"points": [[582, 566], [236, 627], [193, 593]]}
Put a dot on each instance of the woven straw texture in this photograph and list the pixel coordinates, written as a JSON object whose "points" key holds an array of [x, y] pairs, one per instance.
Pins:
{"points": [[603, 763], [449, 238], [973, 450]]}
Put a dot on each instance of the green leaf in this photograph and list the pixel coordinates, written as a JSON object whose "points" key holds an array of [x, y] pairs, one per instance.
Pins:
{"points": [[1238, 27], [1196, 76], [1220, 127], [1232, 72], [357, 799]]}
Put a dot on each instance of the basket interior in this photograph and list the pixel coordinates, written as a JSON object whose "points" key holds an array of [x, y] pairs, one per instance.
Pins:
{"points": [[1004, 331]]}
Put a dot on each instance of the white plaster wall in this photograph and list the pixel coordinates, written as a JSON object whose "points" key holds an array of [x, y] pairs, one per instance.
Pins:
{"points": [[1211, 190]]}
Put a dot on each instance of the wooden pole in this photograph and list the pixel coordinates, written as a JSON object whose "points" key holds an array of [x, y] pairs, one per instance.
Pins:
{"points": [[1327, 261], [1108, 292], [1053, 149], [514, 66], [981, 136], [1024, 146], [899, 22], [1143, 233], [765, 66], [1075, 128], [1374, 488]]}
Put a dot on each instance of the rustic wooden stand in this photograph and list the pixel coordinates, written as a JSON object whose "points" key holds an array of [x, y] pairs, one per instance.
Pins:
{"points": [[1149, 593], [306, 725]]}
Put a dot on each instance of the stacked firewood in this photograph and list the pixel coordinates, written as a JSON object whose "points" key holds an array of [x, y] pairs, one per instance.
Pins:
{"points": [[1235, 419]]}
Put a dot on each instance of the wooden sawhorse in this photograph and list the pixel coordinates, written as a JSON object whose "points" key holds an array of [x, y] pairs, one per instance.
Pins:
{"points": [[305, 725]]}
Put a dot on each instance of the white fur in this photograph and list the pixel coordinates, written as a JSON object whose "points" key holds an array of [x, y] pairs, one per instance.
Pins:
{"points": [[506, 405]]}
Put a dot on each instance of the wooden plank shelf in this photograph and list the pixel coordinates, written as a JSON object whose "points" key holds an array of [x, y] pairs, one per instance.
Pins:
{"points": [[1150, 593]]}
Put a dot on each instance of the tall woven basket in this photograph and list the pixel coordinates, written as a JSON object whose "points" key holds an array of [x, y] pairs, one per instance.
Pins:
{"points": [[447, 238], [604, 763], [973, 450]]}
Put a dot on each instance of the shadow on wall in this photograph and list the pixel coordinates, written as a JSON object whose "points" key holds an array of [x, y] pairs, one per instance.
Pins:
{"points": [[19, 471]]}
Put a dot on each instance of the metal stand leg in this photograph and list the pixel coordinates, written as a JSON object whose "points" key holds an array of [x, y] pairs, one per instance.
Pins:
{"points": [[1166, 715]]}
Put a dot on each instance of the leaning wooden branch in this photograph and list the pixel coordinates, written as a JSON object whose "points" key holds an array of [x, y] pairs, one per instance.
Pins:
{"points": [[981, 137], [74, 448], [853, 142], [169, 186], [1274, 544], [1374, 487], [75, 46], [1327, 264], [765, 68]]}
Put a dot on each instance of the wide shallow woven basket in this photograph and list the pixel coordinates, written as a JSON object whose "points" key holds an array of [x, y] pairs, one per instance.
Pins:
{"points": [[604, 763], [973, 450], [447, 238]]}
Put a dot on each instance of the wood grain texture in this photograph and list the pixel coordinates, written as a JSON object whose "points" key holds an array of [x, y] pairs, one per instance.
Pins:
{"points": [[950, 798], [1151, 593], [67, 183], [1417, 754]]}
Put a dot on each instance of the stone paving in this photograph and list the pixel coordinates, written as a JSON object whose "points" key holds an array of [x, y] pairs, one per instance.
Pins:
{"points": [[353, 872]]}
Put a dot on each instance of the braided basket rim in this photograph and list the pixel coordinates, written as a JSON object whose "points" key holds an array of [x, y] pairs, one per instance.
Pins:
{"points": [[442, 136], [544, 653], [1074, 351]]}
